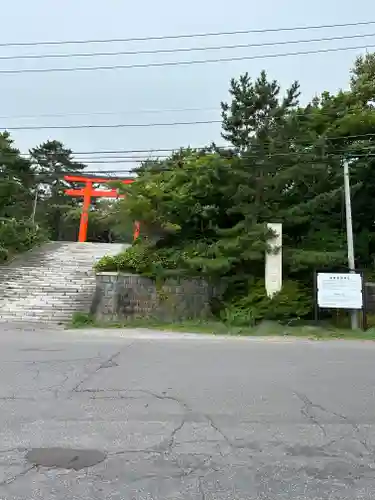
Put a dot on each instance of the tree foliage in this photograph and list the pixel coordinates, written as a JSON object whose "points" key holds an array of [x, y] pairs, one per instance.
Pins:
{"points": [[17, 233], [52, 161], [206, 212]]}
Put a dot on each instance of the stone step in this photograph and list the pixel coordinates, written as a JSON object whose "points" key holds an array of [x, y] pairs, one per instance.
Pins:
{"points": [[48, 284], [23, 303], [57, 285]]}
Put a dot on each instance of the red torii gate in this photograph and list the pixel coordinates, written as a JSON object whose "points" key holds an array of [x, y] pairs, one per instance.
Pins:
{"points": [[87, 192]]}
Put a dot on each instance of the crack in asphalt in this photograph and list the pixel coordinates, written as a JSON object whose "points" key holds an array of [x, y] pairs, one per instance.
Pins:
{"points": [[111, 360], [18, 398], [306, 411], [167, 444], [171, 440], [37, 372], [229, 442], [14, 478], [309, 405], [52, 361]]}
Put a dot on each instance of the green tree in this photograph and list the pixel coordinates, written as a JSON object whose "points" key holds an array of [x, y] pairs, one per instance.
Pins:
{"points": [[17, 232], [16, 181], [256, 110], [282, 176], [52, 160], [179, 207], [345, 123]]}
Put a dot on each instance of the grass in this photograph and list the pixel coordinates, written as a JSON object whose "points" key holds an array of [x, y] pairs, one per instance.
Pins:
{"points": [[265, 329]]}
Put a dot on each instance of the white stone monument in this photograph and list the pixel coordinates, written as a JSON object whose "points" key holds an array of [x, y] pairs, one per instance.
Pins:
{"points": [[274, 261]]}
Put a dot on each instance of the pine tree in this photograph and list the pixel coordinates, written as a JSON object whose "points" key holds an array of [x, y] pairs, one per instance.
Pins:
{"points": [[16, 181], [281, 177], [52, 160], [17, 231]]}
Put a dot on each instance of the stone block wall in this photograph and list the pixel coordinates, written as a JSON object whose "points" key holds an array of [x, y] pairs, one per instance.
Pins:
{"points": [[370, 297], [121, 296]]}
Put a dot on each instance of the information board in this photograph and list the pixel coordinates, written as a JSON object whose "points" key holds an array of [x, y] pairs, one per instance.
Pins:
{"points": [[339, 290]]}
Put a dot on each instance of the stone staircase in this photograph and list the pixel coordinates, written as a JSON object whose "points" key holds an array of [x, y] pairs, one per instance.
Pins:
{"points": [[49, 284]]}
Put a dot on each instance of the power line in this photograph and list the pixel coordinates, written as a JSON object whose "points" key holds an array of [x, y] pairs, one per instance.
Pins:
{"points": [[123, 160], [146, 153], [130, 151], [183, 49], [151, 151], [252, 155], [115, 125], [181, 36], [119, 159], [164, 156], [123, 151], [182, 63], [140, 112], [132, 172], [108, 113]]}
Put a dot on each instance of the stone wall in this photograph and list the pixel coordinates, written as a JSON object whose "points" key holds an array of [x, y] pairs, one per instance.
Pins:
{"points": [[122, 296], [370, 298]]}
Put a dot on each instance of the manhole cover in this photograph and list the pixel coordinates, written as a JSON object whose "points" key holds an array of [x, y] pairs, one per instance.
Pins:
{"points": [[65, 458]]}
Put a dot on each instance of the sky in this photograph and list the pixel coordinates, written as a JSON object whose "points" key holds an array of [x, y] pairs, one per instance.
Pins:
{"points": [[159, 94]]}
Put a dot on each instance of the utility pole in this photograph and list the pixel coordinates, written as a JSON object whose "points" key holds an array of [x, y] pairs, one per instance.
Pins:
{"points": [[349, 235]]}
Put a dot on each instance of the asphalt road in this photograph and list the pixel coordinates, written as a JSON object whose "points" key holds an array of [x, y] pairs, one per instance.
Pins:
{"points": [[184, 417]]}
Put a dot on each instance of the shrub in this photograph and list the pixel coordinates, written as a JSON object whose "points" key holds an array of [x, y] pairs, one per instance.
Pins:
{"points": [[4, 254], [108, 263], [140, 258], [18, 236], [81, 319], [133, 259], [291, 302]]}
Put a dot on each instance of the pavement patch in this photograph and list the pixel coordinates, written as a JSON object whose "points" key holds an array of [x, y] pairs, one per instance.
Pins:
{"points": [[65, 458]]}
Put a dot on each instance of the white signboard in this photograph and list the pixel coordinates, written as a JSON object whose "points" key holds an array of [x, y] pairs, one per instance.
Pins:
{"points": [[339, 290]]}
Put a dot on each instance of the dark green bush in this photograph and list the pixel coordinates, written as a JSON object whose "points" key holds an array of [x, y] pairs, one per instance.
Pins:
{"points": [[81, 319], [140, 258], [133, 259], [292, 302], [18, 236], [4, 254], [108, 263]]}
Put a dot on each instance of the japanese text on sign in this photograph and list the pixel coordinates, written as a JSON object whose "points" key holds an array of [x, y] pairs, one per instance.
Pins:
{"points": [[339, 290]]}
